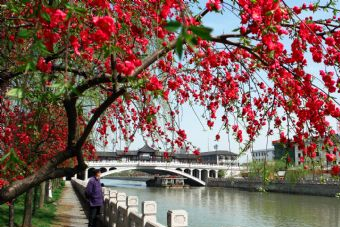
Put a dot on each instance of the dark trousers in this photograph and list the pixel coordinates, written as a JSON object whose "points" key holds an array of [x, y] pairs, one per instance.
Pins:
{"points": [[93, 216]]}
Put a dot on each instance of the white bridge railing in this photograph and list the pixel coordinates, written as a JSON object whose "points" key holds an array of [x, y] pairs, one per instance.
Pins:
{"points": [[113, 163], [122, 211]]}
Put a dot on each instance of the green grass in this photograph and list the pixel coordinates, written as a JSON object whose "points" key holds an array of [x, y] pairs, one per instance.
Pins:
{"points": [[42, 218]]}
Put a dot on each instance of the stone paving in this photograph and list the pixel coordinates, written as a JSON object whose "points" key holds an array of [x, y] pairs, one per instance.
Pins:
{"points": [[69, 210]]}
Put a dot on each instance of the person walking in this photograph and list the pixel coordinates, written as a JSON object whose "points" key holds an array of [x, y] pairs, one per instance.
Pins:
{"points": [[95, 197]]}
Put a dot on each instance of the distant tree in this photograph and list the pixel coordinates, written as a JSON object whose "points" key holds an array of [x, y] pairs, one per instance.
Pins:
{"points": [[221, 173]]}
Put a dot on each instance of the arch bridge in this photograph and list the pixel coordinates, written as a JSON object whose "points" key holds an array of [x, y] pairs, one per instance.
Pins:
{"points": [[196, 174]]}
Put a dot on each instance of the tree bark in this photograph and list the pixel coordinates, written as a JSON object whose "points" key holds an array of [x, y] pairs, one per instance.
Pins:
{"points": [[35, 200], [47, 188], [27, 219], [42, 194], [11, 214]]}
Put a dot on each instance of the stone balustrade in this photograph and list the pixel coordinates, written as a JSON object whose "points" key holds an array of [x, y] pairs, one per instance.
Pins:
{"points": [[121, 210], [159, 163]]}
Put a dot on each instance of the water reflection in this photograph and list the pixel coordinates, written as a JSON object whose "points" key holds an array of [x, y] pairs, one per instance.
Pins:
{"points": [[219, 207]]}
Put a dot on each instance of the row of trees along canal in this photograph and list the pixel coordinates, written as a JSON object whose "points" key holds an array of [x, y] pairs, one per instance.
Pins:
{"points": [[128, 66]]}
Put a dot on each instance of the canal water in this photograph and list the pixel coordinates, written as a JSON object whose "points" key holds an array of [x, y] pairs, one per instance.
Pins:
{"points": [[221, 207]]}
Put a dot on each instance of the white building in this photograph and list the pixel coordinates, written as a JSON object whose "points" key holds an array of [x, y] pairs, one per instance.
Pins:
{"points": [[320, 156], [263, 154]]}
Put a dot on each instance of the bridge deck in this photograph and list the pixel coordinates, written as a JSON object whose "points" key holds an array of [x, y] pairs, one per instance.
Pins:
{"points": [[69, 210]]}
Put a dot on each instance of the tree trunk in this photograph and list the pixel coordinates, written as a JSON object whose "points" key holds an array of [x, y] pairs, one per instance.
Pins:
{"points": [[27, 219], [35, 201], [47, 188], [42, 194], [11, 214]]}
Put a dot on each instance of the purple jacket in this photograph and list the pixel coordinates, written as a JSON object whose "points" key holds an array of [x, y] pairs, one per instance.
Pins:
{"points": [[94, 192]]}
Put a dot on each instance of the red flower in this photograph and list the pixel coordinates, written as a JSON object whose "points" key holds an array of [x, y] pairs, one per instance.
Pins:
{"points": [[196, 152], [181, 133], [106, 24], [104, 4], [214, 5], [43, 66], [289, 159], [335, 170], [74, 42], [166, 154], [330, 157], [57, 17], [210, 123], [239, 136], [154, 84], [302, 159]]}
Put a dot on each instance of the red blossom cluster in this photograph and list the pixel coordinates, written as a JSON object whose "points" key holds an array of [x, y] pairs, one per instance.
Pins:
{"points": [[30, 138], [250, 78]]}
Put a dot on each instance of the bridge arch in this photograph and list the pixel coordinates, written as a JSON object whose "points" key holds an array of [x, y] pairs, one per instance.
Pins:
{"points": [[213, 173], [196, 173], [190, 179], [90, 172], [204, 175], [188, 171], [103, 170]]}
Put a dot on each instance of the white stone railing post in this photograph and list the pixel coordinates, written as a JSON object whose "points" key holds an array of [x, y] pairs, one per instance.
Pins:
{"points": [[131, 206], [112, 214], [106, 193], [121, 202], [86, 175], [177, 218], [149, 211]]}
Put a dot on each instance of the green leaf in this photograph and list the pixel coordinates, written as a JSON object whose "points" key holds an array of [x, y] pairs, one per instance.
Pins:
{"points": [[46, 16], [29, 66], [14, 157], [172, 26], [4, 157], [23, 33], [179, 47], [80, 10], [15, 92], [57, 85], [202, 32], [149, 118]]}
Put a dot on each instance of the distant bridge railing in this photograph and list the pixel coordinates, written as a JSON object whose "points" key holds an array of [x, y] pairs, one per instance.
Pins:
{"points": [[155, 164], [122, 211]]}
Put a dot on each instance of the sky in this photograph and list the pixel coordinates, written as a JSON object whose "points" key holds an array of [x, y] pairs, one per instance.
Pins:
{"points": [[202, 136]]}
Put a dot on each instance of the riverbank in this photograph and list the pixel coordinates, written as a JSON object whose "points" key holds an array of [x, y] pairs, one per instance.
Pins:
{"points": [[42, 218], [302, 188]]}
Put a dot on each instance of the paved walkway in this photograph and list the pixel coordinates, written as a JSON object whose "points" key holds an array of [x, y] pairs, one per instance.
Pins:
{"points": [[69, 210]]}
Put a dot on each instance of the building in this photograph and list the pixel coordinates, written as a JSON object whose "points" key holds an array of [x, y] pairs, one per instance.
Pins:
{"points": [[147, 153], [295, 154], [320, 157], [263, 155], [219, 157]]}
